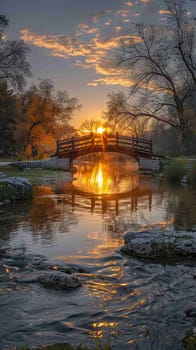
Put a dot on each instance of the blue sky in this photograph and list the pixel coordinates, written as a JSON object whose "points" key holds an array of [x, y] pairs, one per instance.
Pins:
{"points": [[74, 42]]}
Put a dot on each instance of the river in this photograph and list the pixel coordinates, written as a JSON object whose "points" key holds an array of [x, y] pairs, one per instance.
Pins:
{"points": [[136, 304]]}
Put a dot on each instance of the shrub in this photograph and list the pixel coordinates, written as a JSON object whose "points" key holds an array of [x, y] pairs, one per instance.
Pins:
{"points": [[175, 171], [193, 174]]}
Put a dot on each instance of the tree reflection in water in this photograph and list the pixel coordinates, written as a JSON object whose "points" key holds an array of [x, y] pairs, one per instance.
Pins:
{"points": [[123, 201]]}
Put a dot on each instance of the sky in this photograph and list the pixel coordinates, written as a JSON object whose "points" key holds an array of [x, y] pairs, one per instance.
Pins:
{"points": [[75, 42]]}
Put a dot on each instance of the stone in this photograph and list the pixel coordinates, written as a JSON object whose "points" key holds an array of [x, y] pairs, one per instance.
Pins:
{"points": [[59, 280], [191, 312], [185, 180], [15, 188], [2, 175], [158, 245]]}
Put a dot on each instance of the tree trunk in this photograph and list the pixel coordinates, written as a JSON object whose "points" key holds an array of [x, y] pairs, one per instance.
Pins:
{"points": [[29, 134]]}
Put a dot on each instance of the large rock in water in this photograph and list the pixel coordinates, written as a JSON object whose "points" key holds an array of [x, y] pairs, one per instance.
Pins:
{"points": [[158, 245], [15, 188], [59, 280]]}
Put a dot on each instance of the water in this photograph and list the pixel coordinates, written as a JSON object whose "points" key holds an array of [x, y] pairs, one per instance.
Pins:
{"points": [[137, 304]]}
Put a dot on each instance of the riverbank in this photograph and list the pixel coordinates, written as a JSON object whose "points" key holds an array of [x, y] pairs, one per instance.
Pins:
{"points": [[64, 232]]}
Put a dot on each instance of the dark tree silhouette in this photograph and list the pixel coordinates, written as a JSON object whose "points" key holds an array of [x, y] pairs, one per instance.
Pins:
{"points": [[14, 67]]}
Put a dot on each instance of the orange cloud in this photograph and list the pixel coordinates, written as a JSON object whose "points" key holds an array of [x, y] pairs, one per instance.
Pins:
{"points": [[123, 13], [164, 12], [115, 80], [89, 53], [129, 3], [108, 23]]}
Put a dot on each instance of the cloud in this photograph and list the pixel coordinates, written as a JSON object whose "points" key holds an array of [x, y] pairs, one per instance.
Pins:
{"points": [[108, 23], [164, 12], [118, 29], [123, 13], [129, 3], [101, 14], [91, 46], [114, 80], [89, 53]]}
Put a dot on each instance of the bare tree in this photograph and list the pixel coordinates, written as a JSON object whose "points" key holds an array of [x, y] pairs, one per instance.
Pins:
{"points": [[120, 117], [90, 125], [184, 27], [163, 69], [13, 65]]}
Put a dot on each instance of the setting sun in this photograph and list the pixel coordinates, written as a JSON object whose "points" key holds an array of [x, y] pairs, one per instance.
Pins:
{"points": [[100, 130]]}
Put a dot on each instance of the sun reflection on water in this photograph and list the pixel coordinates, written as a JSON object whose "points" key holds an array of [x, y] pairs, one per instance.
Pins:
{"points": [[101, 178]]}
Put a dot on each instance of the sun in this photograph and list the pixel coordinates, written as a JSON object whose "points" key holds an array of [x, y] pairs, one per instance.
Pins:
{"points": [[100, 130]]}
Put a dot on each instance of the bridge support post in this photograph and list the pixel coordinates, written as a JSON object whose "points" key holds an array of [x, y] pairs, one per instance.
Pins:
{"points": [[117, 139], [70, 162], [57, 148]]}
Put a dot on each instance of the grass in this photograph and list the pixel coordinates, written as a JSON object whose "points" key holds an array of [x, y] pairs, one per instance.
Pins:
{"points": [[33, 174], [8, 159]]}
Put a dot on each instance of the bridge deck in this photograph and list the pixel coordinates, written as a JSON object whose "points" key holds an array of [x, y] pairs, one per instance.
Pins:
{"points": [[78, 146]]}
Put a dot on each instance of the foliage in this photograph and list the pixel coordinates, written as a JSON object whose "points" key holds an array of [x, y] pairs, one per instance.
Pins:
{"points": [[32, 121], [9, 112], [45, 111], [175, 171], [193, 174], [13, 65], [44, 118], [166, 141]]}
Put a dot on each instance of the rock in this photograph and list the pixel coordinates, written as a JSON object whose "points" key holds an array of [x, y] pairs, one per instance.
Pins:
{"points": [[59, 280], [61, 266], [2, 175], [14, 188], [185, 180], [157, 245], [191, 312]]}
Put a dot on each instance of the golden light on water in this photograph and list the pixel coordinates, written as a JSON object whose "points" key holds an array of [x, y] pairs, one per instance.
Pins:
{"points": [[99, 327], [100, 178]]}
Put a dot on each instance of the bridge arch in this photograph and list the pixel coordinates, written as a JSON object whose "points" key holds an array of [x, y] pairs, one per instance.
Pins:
{"points": [[106, 142]]}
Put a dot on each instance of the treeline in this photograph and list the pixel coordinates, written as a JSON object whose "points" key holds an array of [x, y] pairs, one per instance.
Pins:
{"points": [[31, 120], [161, 65]]}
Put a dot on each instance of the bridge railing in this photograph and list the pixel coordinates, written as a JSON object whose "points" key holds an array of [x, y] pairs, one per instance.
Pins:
{"points": [[103, 142]]}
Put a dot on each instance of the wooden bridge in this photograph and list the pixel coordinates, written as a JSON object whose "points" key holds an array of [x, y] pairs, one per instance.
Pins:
{"points": [[105, 142]]}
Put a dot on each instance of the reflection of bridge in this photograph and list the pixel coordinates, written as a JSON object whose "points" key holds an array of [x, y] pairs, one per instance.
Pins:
{"points": [[104, 202], [105, 142]]}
